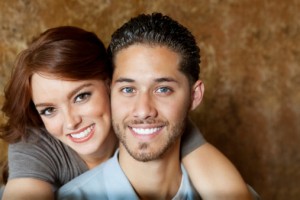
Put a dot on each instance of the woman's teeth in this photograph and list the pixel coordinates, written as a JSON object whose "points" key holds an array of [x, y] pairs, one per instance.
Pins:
{"points": [[82, 134]]}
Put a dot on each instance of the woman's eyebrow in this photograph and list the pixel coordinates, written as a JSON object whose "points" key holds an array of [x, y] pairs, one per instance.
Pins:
{"points": [[73, 92]]}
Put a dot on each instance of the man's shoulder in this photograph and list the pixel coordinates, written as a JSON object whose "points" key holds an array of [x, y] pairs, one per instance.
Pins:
{"points": [[187, 190], [106, 181], [88, 183]]}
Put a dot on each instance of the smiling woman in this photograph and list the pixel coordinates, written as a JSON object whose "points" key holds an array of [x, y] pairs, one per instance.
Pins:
{"points": [[58, 118], [58, 108], [78, 114]]}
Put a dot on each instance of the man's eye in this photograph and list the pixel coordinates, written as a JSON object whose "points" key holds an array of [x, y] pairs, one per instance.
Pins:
{"points": [[127, 90], [47, 111], [163, 90], [82, 97]]}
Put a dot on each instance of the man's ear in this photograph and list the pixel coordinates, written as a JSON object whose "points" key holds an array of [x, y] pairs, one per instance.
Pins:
{"points": [[197, 94]]}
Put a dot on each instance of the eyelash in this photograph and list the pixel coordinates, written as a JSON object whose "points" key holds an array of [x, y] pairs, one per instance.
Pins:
{"points": [[169, 90], [123, 90], [43, 112], [83, 96]]}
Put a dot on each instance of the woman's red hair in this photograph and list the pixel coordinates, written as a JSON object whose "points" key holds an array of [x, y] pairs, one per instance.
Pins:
{"points": [[66, 52]]}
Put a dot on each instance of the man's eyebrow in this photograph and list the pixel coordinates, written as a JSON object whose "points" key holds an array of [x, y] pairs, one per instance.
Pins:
{"points": [[120, 80], [165, 79], [158, 80]]}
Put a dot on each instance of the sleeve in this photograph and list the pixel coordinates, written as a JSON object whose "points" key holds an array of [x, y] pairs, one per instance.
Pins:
{"points": [[30, 160], [45, 158], [191, 139]]}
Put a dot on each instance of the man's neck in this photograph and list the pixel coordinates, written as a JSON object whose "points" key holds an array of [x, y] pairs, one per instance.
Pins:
{"points": [[157, 179]]}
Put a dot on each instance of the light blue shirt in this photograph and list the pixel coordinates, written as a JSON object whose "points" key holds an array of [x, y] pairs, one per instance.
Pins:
{"points": [[108, 181]]}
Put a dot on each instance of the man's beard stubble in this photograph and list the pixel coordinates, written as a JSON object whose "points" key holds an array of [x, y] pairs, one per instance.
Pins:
{"points": [[140, 154]]}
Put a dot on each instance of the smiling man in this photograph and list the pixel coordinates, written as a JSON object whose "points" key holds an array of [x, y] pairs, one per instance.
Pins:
{"points": [[155, 85], [153, 97]]}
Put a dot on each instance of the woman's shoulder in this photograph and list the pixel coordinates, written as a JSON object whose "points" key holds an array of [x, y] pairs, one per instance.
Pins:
{"points": [[43, 156], [36, 138]]}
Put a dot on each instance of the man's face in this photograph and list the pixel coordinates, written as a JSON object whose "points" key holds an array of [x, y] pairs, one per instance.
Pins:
{"points": [[150, 100]]}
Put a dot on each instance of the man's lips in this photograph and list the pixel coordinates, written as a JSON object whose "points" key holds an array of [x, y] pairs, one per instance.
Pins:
{"points": [[146, 131]]}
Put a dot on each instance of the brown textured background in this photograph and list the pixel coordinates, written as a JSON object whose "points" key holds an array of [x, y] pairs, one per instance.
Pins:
{"points": [[250, 66]]}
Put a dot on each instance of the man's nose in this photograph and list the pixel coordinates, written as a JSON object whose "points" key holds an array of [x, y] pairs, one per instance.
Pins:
{"points": [[144, 106]]}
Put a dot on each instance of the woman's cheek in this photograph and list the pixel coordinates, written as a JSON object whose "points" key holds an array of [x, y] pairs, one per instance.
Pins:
{"points": [[54, 127]]}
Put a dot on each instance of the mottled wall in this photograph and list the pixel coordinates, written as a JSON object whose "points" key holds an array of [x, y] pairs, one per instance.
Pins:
{"points": [[250, 67]]}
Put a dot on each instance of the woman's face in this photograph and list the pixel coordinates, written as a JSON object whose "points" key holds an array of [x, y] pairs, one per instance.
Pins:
{"points": [[75, 112]]}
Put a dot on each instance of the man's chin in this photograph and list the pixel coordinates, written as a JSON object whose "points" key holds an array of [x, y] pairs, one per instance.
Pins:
{"points": [[145, 155]]}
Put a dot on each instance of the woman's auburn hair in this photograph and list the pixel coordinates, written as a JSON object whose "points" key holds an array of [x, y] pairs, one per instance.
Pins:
{"points": [[66, 52]]}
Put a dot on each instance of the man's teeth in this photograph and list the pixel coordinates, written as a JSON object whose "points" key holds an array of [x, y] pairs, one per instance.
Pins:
{"points": [[145, 131], [82, 134]]}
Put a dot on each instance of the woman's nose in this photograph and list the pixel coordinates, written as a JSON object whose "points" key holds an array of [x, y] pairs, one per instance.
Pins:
{"points": [[72, 119]]}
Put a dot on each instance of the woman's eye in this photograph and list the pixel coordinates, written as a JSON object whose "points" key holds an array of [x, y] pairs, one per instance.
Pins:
{"points": [[163, 90], [47, 111], [127, 90], [82, 97]]}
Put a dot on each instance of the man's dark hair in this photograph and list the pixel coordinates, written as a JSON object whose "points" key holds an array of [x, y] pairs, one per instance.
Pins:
{"points": [[157, 29]]}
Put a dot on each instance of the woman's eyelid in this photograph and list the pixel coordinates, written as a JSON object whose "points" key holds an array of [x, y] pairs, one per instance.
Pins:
{"points": [[45, 110], [83, 96]]}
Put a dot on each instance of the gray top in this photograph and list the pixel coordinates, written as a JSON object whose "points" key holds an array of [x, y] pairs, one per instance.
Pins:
{"points": [[46, 158]]}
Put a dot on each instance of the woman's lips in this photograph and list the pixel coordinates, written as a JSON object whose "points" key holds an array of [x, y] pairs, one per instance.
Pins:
{"points": [[82, 136]]}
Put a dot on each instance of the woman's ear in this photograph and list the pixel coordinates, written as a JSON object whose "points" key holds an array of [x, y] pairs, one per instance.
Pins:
{"points": [[197, 94]]}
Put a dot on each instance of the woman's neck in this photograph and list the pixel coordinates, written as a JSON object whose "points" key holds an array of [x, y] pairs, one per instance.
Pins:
{"points": [[105, 152]]}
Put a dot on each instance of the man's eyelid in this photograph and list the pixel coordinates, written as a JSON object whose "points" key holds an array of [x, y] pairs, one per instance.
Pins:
{"points": [[123, 84], [123, 88], [170, 89]]}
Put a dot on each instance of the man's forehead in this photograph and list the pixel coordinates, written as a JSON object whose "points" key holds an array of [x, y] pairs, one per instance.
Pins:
{"points": [[142, 55], [143, 61]]}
